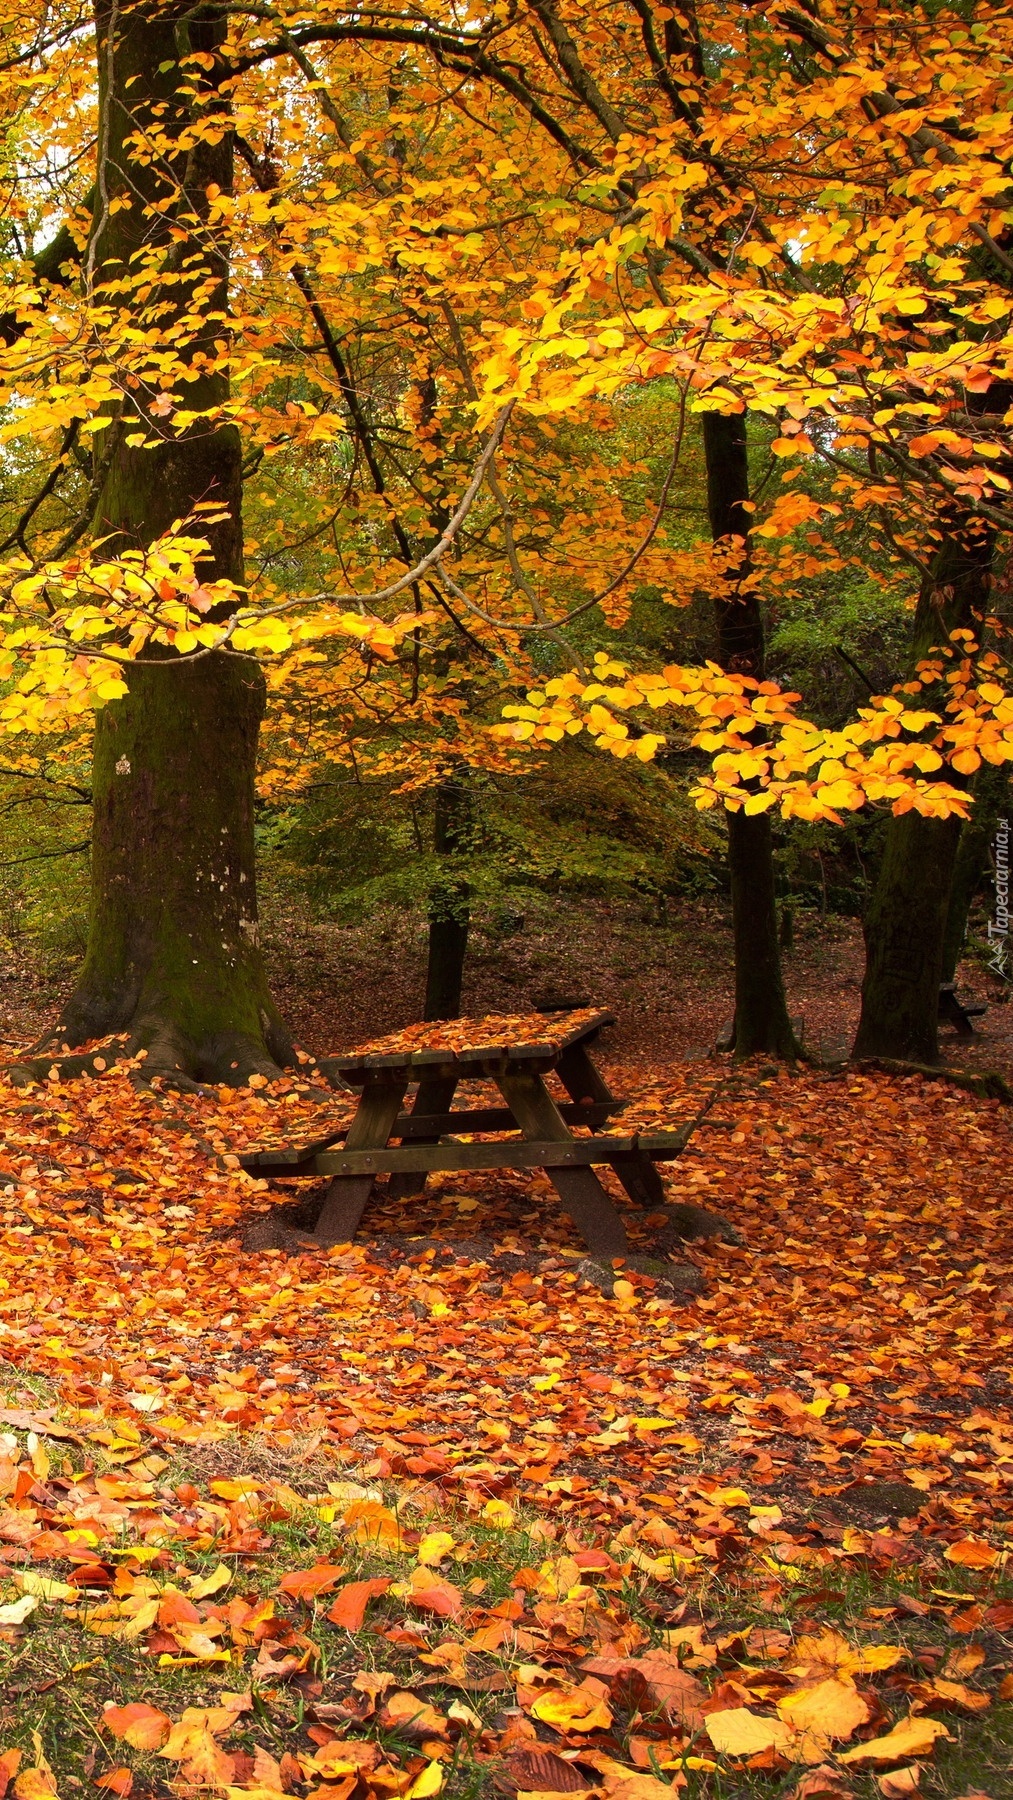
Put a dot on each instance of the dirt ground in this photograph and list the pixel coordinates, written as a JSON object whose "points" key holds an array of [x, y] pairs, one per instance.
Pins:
{"points": [[669, 983]]}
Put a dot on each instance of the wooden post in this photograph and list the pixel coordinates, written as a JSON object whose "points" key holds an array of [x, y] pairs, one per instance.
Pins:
{"points": [[581, 1192], [345, 1200]]}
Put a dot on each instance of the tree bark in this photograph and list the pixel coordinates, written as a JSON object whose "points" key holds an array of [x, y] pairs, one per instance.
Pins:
{"points": [[907, 915], [173, 958], [991, 801], [762, 1025], [449, 910]]}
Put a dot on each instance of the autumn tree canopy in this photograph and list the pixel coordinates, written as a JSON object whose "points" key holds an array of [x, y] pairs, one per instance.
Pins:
{"points": [[391, 287]]}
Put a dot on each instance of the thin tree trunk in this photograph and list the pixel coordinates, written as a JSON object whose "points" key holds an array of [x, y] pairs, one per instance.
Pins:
{"points": [[762, 1025], [449, 898], [173, 957], [991, 801], [907, 916]]}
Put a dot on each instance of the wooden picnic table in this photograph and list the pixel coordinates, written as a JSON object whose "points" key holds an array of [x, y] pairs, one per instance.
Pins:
{"points": [[517, 1053]]}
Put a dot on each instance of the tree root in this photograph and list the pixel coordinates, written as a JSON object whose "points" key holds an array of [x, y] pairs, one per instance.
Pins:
{"points": [[157, 1047], [987, 1086]]}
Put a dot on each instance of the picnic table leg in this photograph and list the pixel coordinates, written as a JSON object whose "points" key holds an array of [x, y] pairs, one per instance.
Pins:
{"points": [[433, 1096], [370, 1129], [581, 1192], [583, 1081]]}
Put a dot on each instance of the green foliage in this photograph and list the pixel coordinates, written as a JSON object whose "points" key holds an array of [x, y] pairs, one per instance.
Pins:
{"points": [[576, 825]]}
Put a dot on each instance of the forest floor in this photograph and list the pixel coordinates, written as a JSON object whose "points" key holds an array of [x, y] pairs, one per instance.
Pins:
{"points": [[430, 1511]]}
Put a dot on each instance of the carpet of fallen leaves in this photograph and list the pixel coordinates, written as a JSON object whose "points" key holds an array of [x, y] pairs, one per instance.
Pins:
{"points": [[835, 1401], [493, 1031]]}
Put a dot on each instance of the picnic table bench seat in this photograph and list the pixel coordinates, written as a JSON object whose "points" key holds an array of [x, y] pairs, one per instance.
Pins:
{"points": [[516, 1052], [956, 1012]]}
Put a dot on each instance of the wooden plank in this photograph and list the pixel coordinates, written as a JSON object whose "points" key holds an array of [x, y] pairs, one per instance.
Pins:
{"points": [[290, 1160], [491, 1118], [579, 1189], [580, 1077], [420, 1128], [433, 1100], [513, 1153], [370, 1129], [420, 1157], [583, 1080], [589, 1029]]}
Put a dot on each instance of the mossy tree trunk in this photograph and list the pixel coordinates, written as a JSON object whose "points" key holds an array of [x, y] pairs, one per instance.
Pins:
{"points": [[762, 1024], [172, 956], [906, 922]]}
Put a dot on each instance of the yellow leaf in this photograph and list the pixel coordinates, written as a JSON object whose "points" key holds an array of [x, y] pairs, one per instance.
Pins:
{"points": [[434, 1547], [739, 1732], [45, 1586], [899, 1783], [17, 1611], [428, 1782], [912, 1737], [499, 1514], [235, 1490], [205, 1585], [971, 1699], [372, 1523], [35, 1784], [572, 1709], [823, 1715]]}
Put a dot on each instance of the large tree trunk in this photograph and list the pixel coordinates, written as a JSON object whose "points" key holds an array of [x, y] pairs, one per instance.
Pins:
{"points": [[762, 1025], [907, 916], [172, 956]]}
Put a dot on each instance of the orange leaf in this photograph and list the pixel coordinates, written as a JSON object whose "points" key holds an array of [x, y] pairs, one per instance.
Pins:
{"points": [[971, 1554], [406, 1712], [144, 1727], [307, 1584], [349, 1609], [116, 1781]]}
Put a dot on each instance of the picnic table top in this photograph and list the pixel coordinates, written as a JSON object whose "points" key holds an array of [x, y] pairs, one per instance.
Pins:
{"points": [[513, 1037]]}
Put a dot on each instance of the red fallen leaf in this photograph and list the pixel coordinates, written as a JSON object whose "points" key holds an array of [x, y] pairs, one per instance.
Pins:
{"points": [[433, 1595], [291, 1773], [663, 1684], [176, 1609], [10, 1762], [116, 1781], [91, 1575], [51, 1545], [309, 1584], [542, 1771], [1000, 1616], [349, 1609], [144, 1727], [595, 1561], [320, 1734]]}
